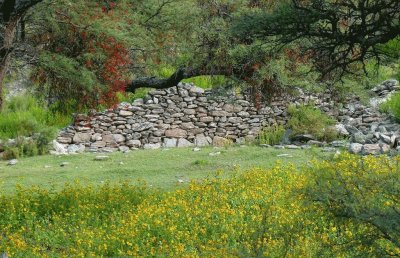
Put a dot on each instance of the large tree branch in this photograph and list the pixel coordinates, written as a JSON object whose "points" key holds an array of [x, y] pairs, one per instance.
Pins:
{"points": [[179, 75]]}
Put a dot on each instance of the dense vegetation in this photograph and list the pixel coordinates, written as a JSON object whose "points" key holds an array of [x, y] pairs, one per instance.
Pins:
{"points": [[345, 207], [86, 54], [94, 54]]}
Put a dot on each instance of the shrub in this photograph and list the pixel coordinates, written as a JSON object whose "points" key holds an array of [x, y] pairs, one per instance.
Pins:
{"points": [[392, 106], [271, 135], [11, 153], [25, 116], [362, 194], [307, 119]]}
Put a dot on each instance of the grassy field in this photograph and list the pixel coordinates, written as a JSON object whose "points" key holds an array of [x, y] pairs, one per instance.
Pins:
{"points": [[164, 169]]}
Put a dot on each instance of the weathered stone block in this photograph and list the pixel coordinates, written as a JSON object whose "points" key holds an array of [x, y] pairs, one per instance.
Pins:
{"points": [[175, 133]]}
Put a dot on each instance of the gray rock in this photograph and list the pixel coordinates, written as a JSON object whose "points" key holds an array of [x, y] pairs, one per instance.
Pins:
{"points": [[124, 149], [64, 140], [196, 90], [101, 158], [355, 148], [73, 148], [212, 154], [386, 139], [351, 129], [341, 129], [359, 138], [371, 149], [284, 155], [292, 147], [81, 138], [133, 143], [183, 143], [99, 144], [202, 140], [170, 142], [58, 148], [176, 133], [118, 138], [207, 119], [339, 144], [152, 146], [12, 162], [220, 142], [142, 127], [125, 113]]}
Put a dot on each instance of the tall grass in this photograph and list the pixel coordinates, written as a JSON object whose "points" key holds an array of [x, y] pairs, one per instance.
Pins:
{"points": [[25, 116]]}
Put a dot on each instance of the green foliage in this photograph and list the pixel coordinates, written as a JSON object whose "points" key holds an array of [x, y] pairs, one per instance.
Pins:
{"points": [[362, 195], [307, 119], [271, 135], [201, 162], [392, 106], [347, 207], [24, 116]]}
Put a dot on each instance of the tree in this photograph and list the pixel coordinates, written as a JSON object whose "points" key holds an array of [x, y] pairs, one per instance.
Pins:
{"points": [[338, 34], [336, 37], [87, 50], [11, 14]]}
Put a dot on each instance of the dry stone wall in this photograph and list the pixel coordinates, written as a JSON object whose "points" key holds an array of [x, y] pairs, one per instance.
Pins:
{"points": [[186, 115], [180, 116]]}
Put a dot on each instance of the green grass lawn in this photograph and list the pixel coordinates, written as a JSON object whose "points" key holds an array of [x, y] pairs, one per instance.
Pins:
{"points": [[159, 168]]}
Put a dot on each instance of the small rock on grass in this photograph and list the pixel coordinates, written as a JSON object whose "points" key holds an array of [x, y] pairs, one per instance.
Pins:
{"points": [[284, 155], [12, 162], [292, 147], [196, 149], [101, 158], [214, 153]]}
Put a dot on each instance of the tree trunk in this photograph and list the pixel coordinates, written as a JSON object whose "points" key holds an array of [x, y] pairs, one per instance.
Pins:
{"points": [[6, 48]]}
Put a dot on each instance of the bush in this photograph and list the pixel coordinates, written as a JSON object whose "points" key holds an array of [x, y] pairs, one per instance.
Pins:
{"points": [[271, 135], [392, 106], [362, 194], [307, 119], [25, 116]]}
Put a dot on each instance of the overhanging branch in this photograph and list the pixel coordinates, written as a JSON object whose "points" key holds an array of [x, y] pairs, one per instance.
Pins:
{"points": [[179, 75]]}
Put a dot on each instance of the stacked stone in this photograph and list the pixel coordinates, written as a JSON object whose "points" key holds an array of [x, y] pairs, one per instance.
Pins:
{"points": [[180, 116], [370, 131], [186, 115]]}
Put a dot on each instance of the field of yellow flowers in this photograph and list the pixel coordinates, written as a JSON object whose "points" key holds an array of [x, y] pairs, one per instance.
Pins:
{"points": [[348, 206]]}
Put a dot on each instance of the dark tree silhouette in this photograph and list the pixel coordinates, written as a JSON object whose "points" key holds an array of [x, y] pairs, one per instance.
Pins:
{"points": [[11, 13]]}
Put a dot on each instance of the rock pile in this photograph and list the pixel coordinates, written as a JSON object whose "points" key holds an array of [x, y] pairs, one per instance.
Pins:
{"points": [[186, 115], [370, 131]]}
